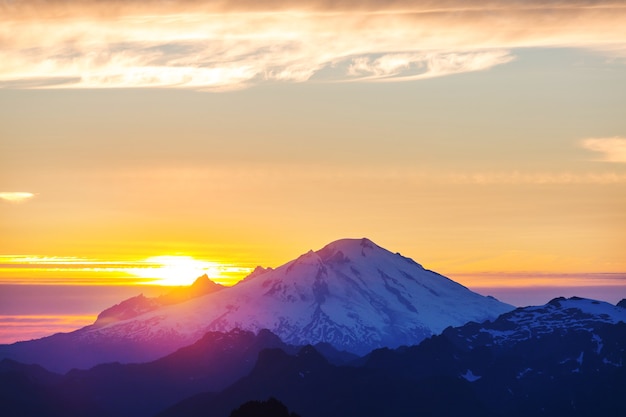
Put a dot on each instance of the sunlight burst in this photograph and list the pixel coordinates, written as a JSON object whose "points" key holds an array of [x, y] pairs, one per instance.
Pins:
{"points": [[176, 270]]}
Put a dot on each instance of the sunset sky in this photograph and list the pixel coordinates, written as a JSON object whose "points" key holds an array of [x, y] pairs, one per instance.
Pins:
{"points": [[143, 140]]}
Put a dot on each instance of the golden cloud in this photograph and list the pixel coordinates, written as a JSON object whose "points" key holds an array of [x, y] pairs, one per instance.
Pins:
{"points": [[15, 197], [612, 149], [232, 44]]}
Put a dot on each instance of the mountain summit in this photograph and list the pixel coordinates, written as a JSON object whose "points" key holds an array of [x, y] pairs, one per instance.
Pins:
{"points": [[351, 294]]}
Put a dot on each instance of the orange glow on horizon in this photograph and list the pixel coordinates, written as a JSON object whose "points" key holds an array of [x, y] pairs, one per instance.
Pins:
{"points": [[165, 270], [183, 270]]}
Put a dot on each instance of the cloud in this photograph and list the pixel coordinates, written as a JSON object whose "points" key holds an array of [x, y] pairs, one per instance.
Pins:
{"points": [[207, 45], [612, 149], [533, 278], [537, 178], [280, 174], [14, 328], [15, 197], [45, 270], [404, 67]]}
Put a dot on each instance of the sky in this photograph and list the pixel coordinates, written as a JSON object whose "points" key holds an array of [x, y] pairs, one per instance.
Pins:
{"points": [[147, 142]]}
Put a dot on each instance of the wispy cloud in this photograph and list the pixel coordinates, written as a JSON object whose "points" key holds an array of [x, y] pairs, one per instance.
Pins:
{"points": [[539, 279], [612, 149], [512, 178], [300, 172], [226, 45], [15, 197], [404, 67]]}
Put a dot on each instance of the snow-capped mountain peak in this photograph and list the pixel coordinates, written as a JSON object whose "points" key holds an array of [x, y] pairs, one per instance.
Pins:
{"points": [[351, 294]]}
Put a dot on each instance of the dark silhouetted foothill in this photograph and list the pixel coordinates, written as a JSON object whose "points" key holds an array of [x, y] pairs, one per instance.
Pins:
{"points": [[269, 408]]}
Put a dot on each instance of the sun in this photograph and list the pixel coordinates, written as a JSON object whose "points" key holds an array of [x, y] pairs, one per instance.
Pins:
{"points": [[176, 270]]}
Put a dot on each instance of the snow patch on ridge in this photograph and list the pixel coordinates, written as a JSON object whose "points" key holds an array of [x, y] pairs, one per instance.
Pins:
{"points": [[469, 376]]}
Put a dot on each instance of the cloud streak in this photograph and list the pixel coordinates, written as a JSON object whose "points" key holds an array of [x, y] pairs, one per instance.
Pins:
{"points": [[55, 270], [228, 45], [14, 328], [330, 174], [612, 149], [405, 67], [16, 197], [538, 178]]}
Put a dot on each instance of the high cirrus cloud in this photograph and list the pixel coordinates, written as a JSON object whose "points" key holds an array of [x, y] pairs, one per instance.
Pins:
{"points": [[212, 45]]}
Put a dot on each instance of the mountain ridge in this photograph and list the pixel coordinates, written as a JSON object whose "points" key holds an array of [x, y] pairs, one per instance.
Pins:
{"points": [[140, 304], [570, 368], [456, 373]]}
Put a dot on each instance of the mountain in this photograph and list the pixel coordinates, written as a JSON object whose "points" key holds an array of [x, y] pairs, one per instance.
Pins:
{"points": [[131, 390], [565, 358], [63, 351], [310, 386], [140, 304], [271, 407], [351, 294], [134, 390], [25, 391]]}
